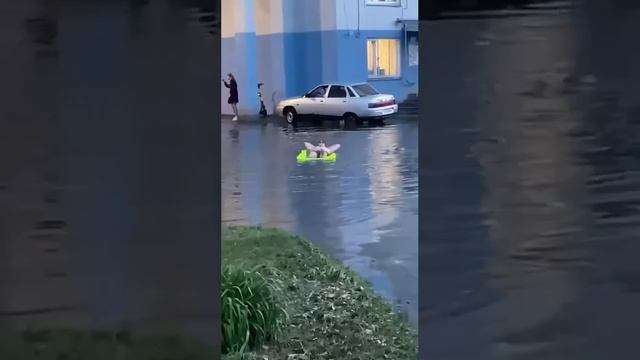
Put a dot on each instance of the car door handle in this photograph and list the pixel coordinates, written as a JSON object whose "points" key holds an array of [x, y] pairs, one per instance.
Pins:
{"points": [[344, 101], [321, 100]]}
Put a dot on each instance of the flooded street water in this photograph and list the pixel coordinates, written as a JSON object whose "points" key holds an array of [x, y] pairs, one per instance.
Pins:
{"points": [[106, 217], [532, 213], [362, 209]]}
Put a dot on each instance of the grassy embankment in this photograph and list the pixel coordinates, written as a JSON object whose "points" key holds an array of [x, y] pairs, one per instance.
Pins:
{"points": [[297, 303]]}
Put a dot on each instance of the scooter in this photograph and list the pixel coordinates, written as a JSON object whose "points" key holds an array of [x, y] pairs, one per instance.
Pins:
{"points": [[263, 109]]}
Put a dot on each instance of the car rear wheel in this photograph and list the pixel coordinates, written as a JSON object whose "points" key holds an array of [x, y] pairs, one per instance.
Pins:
{"points": [[290, 115], [350, 118]]}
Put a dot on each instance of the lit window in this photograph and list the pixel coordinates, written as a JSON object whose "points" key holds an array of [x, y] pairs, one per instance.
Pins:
{"points": [[383, 2], [383, 58]]}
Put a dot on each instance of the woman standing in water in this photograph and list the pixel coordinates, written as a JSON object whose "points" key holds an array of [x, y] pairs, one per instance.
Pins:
{"points": [[233, 94]]}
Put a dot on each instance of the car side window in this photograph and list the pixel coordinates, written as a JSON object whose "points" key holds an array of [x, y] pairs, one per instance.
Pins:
{"points": [[351, 93], [319, 91], [337, 91]]}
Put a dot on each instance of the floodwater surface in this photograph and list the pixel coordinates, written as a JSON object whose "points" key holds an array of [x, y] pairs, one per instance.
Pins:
{"points": [[362, 209], [531, 217], [107, 159]]}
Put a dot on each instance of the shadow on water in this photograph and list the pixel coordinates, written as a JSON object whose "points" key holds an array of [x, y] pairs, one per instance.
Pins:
{"points": [[99, 99], [362, 209], [532, 212]]}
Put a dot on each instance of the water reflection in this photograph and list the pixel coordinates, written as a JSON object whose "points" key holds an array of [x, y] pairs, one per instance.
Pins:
{"points": [[525, 210], [536, 202], [362, 209], [96, 106]]}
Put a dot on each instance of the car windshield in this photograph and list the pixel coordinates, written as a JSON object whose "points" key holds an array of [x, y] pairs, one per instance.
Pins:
{"points": [[364, 90]]}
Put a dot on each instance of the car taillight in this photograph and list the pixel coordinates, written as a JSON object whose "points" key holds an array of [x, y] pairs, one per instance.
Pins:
{"points": [[382, 103]]}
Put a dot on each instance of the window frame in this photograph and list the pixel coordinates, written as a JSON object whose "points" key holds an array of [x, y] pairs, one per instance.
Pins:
{"points": [[397, 76], [316, 88], [393, 3], [346, 93]]}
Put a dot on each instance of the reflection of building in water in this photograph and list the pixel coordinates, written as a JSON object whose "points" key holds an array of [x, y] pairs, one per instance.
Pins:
{"points": [[231, 192], [395, 227], [257, 196], [354, 210], [137, 196], [385, 182], [355, 206], [276, 208], [315, 200], [34, 244], [252, 163], [535, 187]]}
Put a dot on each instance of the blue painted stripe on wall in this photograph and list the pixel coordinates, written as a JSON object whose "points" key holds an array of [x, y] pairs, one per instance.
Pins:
{"points": [[249, 14], [239, 58], [305, 14], [270, 62], [308, 59]]}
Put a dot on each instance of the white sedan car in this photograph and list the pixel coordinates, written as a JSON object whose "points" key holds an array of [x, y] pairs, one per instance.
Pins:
{"points": [[350, 102]]}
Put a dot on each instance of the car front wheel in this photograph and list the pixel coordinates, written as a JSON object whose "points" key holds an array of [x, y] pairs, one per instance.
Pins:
{"points": [[291, 115]]}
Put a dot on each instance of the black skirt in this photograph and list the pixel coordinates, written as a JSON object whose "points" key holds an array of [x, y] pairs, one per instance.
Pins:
{"points": [[233, 92]]}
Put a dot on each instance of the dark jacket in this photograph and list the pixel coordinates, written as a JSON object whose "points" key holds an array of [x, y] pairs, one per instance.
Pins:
{"points": [[233, 91]]}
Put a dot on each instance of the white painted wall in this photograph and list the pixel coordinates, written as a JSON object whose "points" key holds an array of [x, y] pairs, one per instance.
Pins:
{"points": [[237, 16], [227, 23], [373, 17], [277, 16], [268, 15]]}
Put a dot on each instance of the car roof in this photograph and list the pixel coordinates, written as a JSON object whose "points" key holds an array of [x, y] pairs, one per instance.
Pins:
{"points": [[341, 84]]}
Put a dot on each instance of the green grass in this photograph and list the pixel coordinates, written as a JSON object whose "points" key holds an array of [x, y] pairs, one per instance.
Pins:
{"points": [[77, 345], [332, 312], [252, 310]]}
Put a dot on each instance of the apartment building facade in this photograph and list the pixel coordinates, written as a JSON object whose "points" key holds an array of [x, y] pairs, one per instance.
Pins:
{"points": [[294, 45]]}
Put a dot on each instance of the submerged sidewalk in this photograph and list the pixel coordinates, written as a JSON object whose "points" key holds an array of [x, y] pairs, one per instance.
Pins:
{"points": [[274, 118], [251, 117]]}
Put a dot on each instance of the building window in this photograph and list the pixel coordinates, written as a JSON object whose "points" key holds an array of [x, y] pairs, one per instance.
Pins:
{"points": [[383, 58], [383, 2], [413, 50]]}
